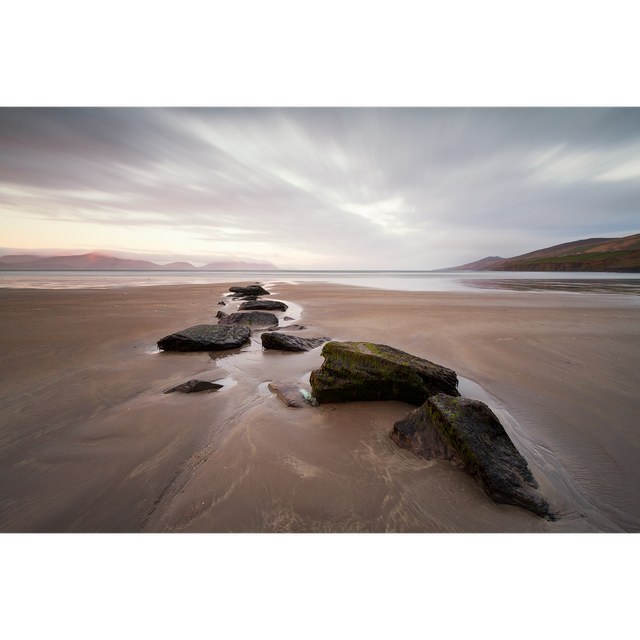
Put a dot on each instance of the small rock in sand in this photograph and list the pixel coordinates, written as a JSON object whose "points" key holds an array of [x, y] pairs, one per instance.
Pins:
{"points": [[193, 386]]}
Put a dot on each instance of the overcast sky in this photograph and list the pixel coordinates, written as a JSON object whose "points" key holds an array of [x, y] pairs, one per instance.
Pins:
{"points": [[352, 188]]}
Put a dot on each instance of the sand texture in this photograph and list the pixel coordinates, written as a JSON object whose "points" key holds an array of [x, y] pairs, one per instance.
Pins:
{"points": [[90, 443]]}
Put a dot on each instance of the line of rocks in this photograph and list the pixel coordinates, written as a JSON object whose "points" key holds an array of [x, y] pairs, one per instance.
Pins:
{"points": [[444, 425], [234, 330]]}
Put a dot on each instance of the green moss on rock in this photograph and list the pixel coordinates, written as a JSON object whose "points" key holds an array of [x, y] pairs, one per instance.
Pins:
{"points": [[366, 371]]}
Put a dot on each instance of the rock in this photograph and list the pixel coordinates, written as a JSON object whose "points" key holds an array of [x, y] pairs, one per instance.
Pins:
{"points": [[205, 337], [251, 318], [268, 305], [290, 394], [224, 303], [366, 371], [417, 433], [474, 434], [222, 314], [284, 342], [291, 327], [250, 290], [193, 386], [287, 318]]}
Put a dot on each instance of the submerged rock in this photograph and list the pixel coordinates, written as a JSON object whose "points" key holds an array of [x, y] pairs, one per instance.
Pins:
{"points": [[284, 342], [250, 290], [193, 386], [205, 337], [470, 431], [268, 305], [291, 394], [251, 318], [366, 371]]}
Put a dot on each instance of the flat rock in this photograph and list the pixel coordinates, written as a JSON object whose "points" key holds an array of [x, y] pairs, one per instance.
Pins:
{"points": [[250, 290], [205, 337], [284, 342], [366, 371], [290, 394], [193, 386], [290, 327], [250, 318], [468, 433], [267, 305]]}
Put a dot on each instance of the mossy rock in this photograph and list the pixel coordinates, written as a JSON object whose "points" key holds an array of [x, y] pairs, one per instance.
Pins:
{"points": [[478, 438], [366, 371]]}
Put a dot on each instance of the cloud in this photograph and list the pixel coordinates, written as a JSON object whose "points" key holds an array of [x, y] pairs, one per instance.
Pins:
{"points": [[354, 188]]}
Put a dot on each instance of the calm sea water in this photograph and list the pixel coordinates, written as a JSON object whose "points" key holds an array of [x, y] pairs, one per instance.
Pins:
{"points": [[617, 283]]}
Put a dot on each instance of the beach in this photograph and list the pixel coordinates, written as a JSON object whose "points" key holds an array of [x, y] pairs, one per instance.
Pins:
{"points": [[90, 443]]}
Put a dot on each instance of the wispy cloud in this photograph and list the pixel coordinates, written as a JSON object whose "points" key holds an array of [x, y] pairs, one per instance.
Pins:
{"points": [[358, 188]]}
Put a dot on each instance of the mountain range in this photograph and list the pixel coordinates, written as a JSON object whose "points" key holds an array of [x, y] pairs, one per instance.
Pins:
{"points": [[618, 255], [101, 262]]}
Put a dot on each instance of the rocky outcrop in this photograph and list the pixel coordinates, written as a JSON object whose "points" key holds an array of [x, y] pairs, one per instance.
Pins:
{"points": [[250, 290], [366, 371], [193, 386], [284, 342], [265, 305], [469, 434], [205, 337], [251, 318]]}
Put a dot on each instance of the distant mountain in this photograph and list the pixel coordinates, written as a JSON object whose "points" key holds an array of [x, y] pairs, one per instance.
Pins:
{"points": [[100, 262], [617, 255], [19, 258]]}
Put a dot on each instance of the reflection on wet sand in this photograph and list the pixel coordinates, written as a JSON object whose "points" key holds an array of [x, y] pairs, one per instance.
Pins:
{"points": [[628, 287]]}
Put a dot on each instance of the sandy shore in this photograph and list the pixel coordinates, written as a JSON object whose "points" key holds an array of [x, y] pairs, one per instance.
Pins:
{"points": [[89, 443]]}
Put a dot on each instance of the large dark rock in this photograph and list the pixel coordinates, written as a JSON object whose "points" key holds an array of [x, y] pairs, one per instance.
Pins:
{"points": [[194, 386], [468, 433], [266, 305], [250, 290], [205, 337], [284, 342], [366, 371], [250, 318]]}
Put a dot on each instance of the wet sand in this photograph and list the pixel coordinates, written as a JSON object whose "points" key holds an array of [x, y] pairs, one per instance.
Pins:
{"points": [[89, 443]]}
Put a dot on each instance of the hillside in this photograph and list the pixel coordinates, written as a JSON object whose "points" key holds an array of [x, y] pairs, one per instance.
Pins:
{"points": [[100, 262], [617, 255]]}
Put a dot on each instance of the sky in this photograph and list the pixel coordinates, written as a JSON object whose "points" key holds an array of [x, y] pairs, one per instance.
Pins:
{"points": [[316, 188]]}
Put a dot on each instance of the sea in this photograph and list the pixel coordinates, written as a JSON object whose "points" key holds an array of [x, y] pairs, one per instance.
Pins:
{"points": [[456, 281]]}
